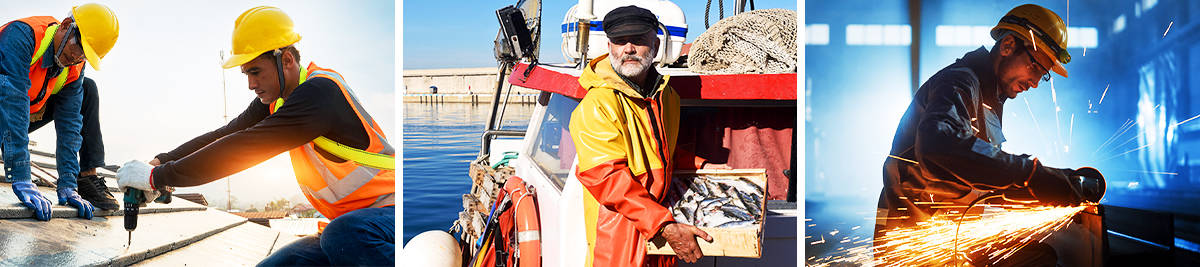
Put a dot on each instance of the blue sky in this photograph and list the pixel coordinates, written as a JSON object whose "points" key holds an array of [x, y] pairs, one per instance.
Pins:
{"points": [[459, 34]]}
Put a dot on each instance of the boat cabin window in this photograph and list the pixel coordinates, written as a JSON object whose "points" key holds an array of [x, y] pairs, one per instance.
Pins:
{"points": [[553, 150]]}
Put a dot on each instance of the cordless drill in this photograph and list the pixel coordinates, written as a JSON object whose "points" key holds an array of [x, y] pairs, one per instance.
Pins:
{"points": [[134, 200]]}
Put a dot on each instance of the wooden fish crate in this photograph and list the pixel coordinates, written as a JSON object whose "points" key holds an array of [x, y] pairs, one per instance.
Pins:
{"points": [[729, 241]]}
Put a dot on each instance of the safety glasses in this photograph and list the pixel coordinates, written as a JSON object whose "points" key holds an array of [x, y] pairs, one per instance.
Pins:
{"points": [[73, 39], [1039, 68]]}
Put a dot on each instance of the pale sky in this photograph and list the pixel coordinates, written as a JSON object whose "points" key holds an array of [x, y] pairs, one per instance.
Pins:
{"points": [[161, 84]]}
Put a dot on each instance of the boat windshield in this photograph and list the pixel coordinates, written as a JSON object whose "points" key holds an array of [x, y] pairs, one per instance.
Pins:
{"points": [[553, 150]]}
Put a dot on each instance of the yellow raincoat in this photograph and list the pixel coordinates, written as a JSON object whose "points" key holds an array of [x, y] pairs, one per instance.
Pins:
{"points": [[625, 143]]}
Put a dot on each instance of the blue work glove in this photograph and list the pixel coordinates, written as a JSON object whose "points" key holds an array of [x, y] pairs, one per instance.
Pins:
{"points": [[28, 194], [68, 197]]}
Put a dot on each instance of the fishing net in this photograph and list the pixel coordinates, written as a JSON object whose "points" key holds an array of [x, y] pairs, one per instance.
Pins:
{"points": [[760, 41]]}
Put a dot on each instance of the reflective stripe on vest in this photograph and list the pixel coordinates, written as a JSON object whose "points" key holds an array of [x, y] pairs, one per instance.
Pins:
{"points": [[383, 160], [47, 39], [367, 165]]}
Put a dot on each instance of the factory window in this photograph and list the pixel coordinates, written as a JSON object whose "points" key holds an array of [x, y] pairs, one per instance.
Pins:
{"points": [[816, 34], [980, 35], [1119, 24], [879, 34]]}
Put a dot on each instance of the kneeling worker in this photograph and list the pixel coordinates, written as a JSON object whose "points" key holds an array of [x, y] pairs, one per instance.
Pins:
{"points": [[42, 80], [342, 161]]}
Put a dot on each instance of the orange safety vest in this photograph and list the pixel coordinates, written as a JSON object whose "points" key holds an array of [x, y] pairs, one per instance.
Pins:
{"points": [[336, 188], [44, 28]]}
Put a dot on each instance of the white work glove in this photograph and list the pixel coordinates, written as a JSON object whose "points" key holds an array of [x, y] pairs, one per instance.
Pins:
{"points": [[136, 174]]}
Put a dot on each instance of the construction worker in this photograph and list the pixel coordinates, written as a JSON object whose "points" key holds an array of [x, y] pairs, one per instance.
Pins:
{"points": [[342, 160], [624, 131], [41, 79], [947, 148]]}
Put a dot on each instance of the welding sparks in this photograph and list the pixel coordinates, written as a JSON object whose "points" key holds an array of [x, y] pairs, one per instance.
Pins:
{"points": [[904, 159], [1152, 172], [1103, 94], [980, 239], [1168, 29], [1187, 120], [1034, 39], [990, 238]]}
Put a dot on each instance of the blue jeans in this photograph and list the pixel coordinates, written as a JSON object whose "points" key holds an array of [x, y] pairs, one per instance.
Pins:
{"points": [[365, 237]]}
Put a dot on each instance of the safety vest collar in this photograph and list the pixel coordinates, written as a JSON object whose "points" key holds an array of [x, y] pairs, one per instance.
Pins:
{"points": [[303, 77], [44, 45]]}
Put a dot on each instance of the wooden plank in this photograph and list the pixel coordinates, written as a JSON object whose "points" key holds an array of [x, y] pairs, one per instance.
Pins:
{"points": [[727, 242]]}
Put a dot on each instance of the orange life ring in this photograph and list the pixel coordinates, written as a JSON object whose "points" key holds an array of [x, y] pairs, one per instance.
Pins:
{"points": [[528, 251]]}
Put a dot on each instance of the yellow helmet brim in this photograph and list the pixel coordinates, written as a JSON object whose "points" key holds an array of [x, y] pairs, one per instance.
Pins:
{"points": [[1042, 48], [92, 58], [240, 59]]}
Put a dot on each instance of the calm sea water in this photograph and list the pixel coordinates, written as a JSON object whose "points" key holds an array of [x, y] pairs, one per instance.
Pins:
{"points": [[439, 143]]}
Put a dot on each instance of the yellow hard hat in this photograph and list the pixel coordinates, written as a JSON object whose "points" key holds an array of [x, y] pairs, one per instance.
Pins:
{"points": [[259, 30], [1042, 27], [98, 30]]}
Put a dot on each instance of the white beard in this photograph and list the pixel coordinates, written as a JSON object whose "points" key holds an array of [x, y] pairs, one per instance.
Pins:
{"points": [[644, 64]]}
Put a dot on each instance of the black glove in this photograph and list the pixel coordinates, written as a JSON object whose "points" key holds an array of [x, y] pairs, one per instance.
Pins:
{"points": [[1052, 186], [1091, 183]]}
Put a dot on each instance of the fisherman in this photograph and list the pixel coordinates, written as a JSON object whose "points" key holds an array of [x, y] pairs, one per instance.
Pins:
{"points": [[342, 160], [624, 131], [947, 146], [42, 58]]}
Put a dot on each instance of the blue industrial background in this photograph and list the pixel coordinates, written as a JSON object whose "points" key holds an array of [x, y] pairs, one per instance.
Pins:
{"points": [[1125, 108]]}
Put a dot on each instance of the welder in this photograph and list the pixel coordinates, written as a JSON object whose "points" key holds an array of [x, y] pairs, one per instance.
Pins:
{"points": [[947, 148]]}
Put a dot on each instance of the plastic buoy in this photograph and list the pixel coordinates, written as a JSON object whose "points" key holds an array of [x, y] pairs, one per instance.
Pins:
{"points": [[433, 248]]}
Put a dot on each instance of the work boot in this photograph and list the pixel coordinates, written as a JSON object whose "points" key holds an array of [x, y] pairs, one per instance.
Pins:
{"points": [[93, 189]]}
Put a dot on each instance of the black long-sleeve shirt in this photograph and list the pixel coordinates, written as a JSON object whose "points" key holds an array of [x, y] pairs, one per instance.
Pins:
{"points": [[315, 108]]}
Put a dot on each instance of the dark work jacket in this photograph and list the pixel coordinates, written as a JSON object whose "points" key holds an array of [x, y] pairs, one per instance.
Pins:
{"points": [[952, 129]]}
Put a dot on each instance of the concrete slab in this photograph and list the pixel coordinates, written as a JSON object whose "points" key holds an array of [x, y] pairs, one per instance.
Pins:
{"points": [[244, 245], [101, 241]]}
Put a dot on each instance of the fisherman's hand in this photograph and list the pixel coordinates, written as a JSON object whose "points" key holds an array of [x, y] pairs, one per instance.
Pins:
{"points": [[155, 162], [1052, 186], [69, 197], [28, 194], [682, 238]]}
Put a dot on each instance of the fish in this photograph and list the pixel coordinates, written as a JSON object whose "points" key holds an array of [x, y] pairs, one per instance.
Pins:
{"points": [[736, 213], [757, 189], [751, 205], [716, 201], [698, 188]]}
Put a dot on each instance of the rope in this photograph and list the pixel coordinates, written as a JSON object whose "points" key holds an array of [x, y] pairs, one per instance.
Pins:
{"points": [[720, 9], [707, 6], [760, 41]]}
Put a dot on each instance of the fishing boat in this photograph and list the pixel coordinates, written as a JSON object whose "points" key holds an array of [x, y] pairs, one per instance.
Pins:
{"points": [[747, 121]]}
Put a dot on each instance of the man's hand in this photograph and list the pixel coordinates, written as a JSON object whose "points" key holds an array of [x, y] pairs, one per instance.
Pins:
{"points": [[682, 239], [69, 197], [28, 194], [136, 174], [155, 162]]}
